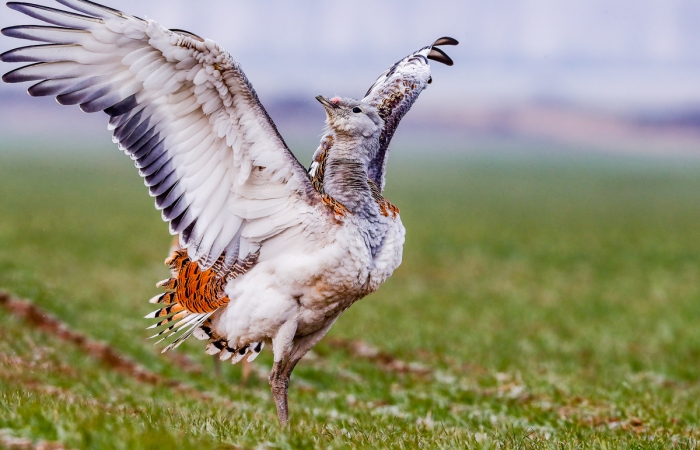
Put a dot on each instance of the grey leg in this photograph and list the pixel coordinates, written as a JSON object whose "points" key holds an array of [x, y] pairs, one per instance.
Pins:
{"points": [[282, 369], [279, 375], [279, 384]]}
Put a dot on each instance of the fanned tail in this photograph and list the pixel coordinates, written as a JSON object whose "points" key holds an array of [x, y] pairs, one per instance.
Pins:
{"points": [[193, 296]]}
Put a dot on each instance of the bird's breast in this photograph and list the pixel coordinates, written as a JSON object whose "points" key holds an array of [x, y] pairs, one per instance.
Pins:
{"points": [[312, 283]]}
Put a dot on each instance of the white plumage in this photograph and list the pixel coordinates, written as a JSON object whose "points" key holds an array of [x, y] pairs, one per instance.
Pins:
{"points": [[267, 252]]}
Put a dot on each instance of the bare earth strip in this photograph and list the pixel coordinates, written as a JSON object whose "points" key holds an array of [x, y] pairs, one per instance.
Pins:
{"points": [[99, 351]]}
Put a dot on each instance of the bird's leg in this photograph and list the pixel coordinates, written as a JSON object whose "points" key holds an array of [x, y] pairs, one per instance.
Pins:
{"points": [[279, 375], [279, 384], [282, 368]]}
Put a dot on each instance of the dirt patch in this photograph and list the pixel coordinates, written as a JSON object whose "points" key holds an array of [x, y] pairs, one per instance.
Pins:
{"points": [[14, 443], [100, 351]]}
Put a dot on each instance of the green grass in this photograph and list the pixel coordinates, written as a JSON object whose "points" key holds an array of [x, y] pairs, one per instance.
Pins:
{"points": [[555, 300]]}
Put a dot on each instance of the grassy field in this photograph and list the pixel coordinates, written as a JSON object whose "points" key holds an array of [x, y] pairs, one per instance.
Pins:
{"points": [[542, 303]]}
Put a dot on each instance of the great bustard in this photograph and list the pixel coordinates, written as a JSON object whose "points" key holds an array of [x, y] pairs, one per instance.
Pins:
{"points": [[268, 251]]}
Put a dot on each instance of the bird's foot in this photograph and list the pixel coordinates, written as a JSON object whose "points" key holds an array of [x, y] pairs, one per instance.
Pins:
{"points": [[279, 384]]}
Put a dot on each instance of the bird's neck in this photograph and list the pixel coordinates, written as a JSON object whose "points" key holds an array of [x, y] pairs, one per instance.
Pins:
{"points": [[345, 173]]}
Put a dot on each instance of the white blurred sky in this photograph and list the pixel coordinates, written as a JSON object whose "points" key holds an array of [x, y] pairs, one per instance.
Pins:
{"points": [[608, 54]]}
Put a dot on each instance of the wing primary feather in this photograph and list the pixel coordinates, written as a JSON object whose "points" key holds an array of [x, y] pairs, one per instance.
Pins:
{"points": [[180, 222], [123, 106], [139, 131], [54, 16], [42, 33], [56, 53], [54, 70], [145, 164], [165, 184], [187, 232], [140, 150], [438, 55], [111, 99], [123, 131], [95, 9], [50, 87], [91, 88], [168, 198], [160, 168], [445, 40], [83, 95], [176, 208], [153, 164]]}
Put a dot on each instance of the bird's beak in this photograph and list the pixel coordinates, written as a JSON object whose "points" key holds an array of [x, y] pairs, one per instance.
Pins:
{"points": [[330, 106]]}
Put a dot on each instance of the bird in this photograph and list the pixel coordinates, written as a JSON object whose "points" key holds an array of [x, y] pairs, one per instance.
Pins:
{"points": [[267, 251]]}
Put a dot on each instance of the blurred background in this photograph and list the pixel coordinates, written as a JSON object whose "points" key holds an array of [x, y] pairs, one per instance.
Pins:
{"points": [[580, 75]]}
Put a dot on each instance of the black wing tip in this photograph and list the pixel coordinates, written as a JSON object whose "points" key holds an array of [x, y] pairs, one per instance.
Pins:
{"points": [[123, 106], [10, 55], [445, 40], [438, 55], [13, 77], [17, 6], [24, 7], [13, 28], [5, 57], [93, 4], [187, 232], [6, 30], [8, 78]]}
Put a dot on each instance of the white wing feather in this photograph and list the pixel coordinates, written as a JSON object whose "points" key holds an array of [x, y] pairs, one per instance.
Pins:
{"points": [[182, 109], [395, 91]]}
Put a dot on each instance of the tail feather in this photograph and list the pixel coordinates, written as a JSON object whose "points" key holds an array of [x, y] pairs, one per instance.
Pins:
{"points": [[166, 297], [219, 346], [225, 354], [187, 332], [168, 283], [256, 348], [162, 312], [240, 354], [193, 297], [180, 315], [186, 318], [184, 327]]}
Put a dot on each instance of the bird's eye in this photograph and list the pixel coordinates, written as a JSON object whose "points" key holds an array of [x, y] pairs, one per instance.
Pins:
{"points": [[430, 80], [356, 110]]}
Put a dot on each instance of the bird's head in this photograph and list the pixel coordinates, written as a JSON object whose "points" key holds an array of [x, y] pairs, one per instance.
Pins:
{"points": [[347, 116]]}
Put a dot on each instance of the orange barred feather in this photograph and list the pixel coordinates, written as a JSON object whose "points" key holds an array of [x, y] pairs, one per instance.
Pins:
{"points": [[385, 206], [193, 294]]}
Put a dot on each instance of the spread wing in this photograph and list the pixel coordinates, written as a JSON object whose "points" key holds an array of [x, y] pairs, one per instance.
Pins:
{"points": [[181, 108], [394, 93]]}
